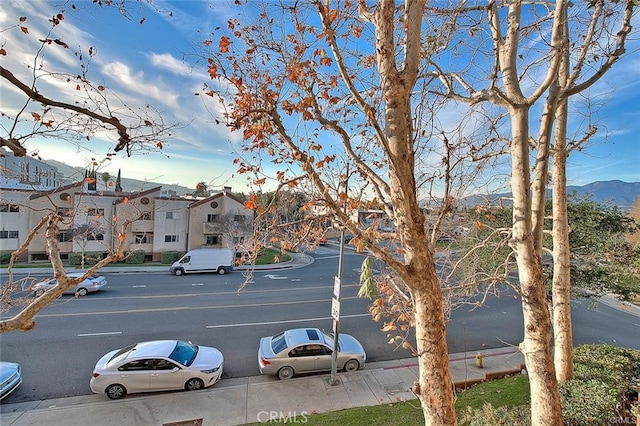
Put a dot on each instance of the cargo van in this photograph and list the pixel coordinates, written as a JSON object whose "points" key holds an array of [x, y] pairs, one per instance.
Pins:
{"points": [[218, 260]]}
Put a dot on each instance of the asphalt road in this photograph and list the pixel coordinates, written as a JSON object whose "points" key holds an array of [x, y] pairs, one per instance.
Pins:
{"points": [[58, 355]]}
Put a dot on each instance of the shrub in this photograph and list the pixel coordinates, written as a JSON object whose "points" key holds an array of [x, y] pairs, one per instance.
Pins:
{"points": [[489, 415], [5, 256], [169, 256], [135, 257], [605, 377], [90, 258]]}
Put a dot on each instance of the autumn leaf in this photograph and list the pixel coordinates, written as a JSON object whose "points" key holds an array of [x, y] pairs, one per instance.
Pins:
{"points": [[101, 88], [48, 124], [148, 123], [159, 145], [36, 116], [77, 87], [332, 15], [3, 52], [23, 18], [213, 71], [207, 42], [61, 43], [224, 44], [121, 237], [25, 30], [478, 224]]}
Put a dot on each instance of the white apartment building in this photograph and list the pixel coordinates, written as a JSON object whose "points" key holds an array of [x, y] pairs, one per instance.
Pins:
{"points": [[92, 221]]}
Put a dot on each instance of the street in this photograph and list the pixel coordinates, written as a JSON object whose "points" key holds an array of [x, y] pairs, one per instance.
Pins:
{"points": [[58, 355]]}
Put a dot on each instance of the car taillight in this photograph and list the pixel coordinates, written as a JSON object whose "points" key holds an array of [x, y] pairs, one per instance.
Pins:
{"points": [[95, 374], [264, 361]]}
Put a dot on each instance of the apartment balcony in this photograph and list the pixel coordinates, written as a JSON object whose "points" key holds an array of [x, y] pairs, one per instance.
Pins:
{"points": [[216, 227], [141, 226], [146, 247]]}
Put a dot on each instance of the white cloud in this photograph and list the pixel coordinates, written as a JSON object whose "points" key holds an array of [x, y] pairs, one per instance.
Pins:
{"points": [[165, 61]]}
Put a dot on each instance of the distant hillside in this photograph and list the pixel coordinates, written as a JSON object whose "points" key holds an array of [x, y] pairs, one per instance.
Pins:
{"points": [[77, 173], [616, 192]]}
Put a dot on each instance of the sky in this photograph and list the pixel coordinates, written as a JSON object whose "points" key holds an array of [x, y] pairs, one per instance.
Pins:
{"points": [[153, 63]]}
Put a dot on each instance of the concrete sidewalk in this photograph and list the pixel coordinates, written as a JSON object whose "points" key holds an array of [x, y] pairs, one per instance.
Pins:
{"points": [[259, 398], [298, 260]]}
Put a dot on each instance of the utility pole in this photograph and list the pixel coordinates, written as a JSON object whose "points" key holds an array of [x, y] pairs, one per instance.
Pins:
{"points": [[337, 295]]}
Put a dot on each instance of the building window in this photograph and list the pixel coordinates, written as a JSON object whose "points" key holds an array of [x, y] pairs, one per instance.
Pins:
{"points": [[64, 236], [172, 215], [63, 211], [95, 212], [170, 238], [11, 208], [143, 239], [238, 240], [8, 234], [212, 217], [95, 237], [212, 240], [238, 218], [145, 216]]}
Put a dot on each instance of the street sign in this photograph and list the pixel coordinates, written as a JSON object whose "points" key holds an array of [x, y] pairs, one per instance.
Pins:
{"points": [[335, 309], [336, 287]]}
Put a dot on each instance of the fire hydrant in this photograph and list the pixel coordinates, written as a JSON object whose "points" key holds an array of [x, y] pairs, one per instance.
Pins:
{"points": [[479, 360]]}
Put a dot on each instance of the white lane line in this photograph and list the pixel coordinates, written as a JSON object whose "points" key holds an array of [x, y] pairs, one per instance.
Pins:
{"points": [[285, 321], [139, 286], [100, 334], [197, 284]]}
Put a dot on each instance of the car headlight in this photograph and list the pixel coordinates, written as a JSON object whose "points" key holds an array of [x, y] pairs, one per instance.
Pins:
{"points": [[212, 370]]}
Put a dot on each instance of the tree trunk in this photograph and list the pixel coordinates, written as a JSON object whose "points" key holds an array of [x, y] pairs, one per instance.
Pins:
{"points": [[436, 386], [537, 343], [562, 325]]}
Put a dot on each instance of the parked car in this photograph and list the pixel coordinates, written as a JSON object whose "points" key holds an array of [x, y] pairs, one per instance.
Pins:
{"points": [[10, 377], [158, 365], [306, 350], [90, 284]]}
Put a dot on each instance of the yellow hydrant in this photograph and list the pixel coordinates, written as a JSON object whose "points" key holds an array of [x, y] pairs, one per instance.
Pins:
{"points": [[479, 360]]}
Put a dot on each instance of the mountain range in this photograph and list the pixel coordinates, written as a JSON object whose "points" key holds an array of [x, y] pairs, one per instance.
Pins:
{"points": [[616, 192]]}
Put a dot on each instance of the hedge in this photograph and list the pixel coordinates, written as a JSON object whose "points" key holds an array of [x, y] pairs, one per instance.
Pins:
{"points": [[135, 257]]}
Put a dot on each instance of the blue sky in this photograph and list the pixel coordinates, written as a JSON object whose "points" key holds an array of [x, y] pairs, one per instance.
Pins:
{"points": [[146, 64]]}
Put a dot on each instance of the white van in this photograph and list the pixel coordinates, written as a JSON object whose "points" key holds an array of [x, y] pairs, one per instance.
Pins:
{"points": [[218, 260]]}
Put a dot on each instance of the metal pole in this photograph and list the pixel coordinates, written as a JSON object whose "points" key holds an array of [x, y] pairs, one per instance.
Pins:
{"points": [[336, 321]]}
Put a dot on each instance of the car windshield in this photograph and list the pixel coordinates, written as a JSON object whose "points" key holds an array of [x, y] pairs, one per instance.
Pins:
{"points": [[328, 339], [278, 343], [184, 353], [121, 354]]}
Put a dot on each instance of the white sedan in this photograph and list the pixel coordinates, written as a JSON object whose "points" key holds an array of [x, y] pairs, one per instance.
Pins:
{"points": [[158, 365], [90, 284]]}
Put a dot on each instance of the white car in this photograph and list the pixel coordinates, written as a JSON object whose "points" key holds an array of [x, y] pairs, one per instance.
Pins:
{"points": [[159, 365], [90, 284], [10, 377]]}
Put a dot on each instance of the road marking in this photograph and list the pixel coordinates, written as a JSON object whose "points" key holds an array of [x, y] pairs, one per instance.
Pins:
{"points": [[197, 284], [139, 286], [285, 321], [275, 277], [183, 308], [100, 334]]}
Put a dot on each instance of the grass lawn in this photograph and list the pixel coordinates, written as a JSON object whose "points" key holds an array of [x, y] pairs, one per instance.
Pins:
{"points": [[511, 391], [268, 256]]}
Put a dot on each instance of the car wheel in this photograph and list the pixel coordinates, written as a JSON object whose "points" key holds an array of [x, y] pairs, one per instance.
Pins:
{"points": [[82, 292], [194, 384], [285, 373], [116, 391], [38, 292], [351, 365], [178, 272], [222, 271]]}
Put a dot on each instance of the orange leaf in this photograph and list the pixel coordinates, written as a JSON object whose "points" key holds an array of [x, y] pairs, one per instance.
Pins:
{"points": [[23, 18], [332, 15], [25, 30], [101, 88], [147, 123], [478, 224], [121, 237], [224, 44], [159, 145], [207, 42], [36, 116], [77, 87], [213, 71], [3, 52]]}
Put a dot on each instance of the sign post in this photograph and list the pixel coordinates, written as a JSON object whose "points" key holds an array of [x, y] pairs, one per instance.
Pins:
{"points": [[335, 313]]}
